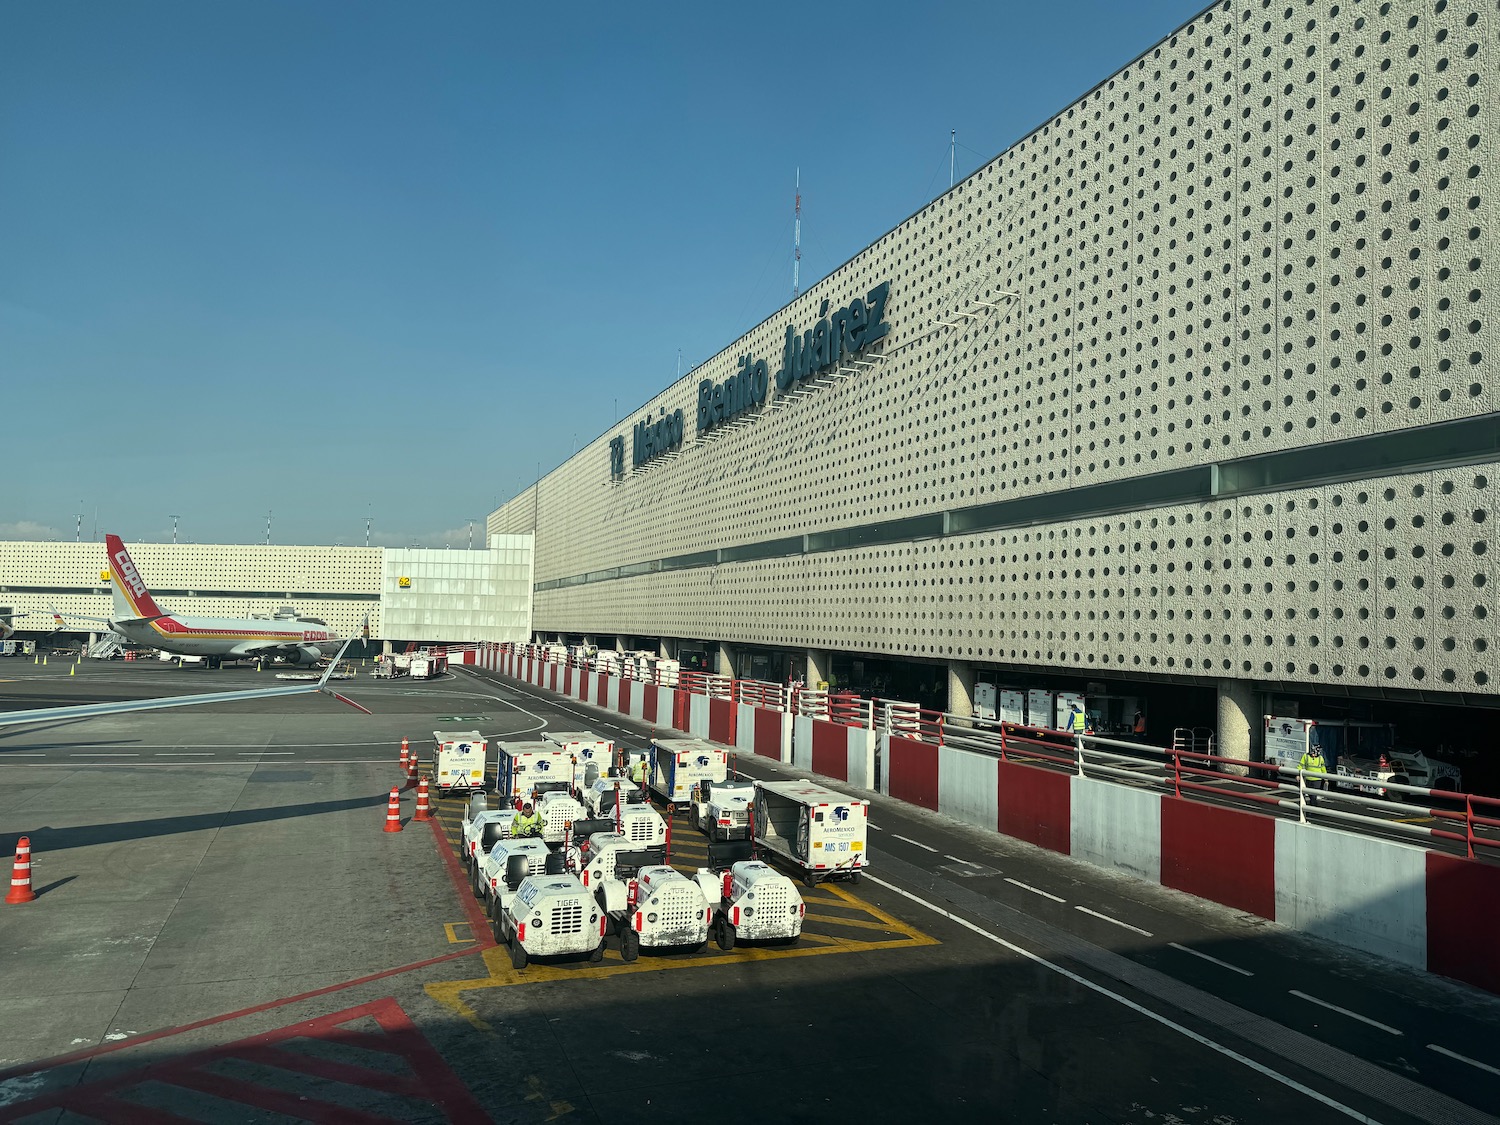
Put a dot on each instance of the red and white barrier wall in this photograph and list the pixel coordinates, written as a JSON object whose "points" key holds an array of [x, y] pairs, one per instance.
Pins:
{"points": [[1432, 911], [764, 732]]}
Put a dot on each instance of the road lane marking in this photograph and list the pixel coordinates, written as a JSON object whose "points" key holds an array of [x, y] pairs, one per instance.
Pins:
{"points": [[1215, 960], [1345, 1012], [1115, 921], [918, 843], [1033, 890], [185, 754], [1094, 986], [955, 859], [264, 754], [1462, 1058], [100, 754]]}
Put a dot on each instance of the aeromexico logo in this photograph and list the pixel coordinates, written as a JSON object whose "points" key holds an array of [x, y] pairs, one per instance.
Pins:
{"points": [[126, 570], [835, 337]]}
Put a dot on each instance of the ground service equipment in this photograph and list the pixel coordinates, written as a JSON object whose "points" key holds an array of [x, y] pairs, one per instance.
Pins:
{"points": [[751, 901], [521, 766], [652, 905], [677, 764], [504, 866], [721, 809], [558, 810], [550, 916], [460, 758], [820, 831], [593, 753]]}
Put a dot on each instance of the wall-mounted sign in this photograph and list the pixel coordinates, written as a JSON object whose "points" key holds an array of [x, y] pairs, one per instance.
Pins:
{"points": [[823, 347], [404, 582], [104, 576]]}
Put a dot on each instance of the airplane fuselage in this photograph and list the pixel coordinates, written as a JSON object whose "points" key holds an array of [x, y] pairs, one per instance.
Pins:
{"points": [[231, 637]]}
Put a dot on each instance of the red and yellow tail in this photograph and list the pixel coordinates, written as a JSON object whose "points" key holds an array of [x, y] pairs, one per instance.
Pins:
{"points": [[128, 584]]}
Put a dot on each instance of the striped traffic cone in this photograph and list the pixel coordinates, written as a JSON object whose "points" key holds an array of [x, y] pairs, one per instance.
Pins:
{"points": [[424, 812], [403, 755], [393, 812], [20, 876], [411, 770]]}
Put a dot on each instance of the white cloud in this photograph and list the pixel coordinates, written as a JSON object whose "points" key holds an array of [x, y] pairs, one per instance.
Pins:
{"points": [[27, 529]]}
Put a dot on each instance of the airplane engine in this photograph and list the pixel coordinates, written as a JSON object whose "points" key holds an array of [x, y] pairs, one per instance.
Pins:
{"points": [[303, 655]]}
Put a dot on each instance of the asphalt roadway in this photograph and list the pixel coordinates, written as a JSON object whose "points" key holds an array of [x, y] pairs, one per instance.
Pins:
{"points": [[224, 933]]}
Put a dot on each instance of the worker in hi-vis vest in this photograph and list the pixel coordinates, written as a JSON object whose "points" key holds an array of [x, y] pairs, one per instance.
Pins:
{"points": [[638, 772], [526, 822], [1314, 770], [1076, 720]]}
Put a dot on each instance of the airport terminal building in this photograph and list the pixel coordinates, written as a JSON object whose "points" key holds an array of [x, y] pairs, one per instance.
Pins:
{"points": [[1190, 393], [407, 594]]}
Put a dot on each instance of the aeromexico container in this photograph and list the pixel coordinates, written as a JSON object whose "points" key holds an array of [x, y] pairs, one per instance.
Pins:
{"points": [[822, 832], [460, 760], [678, 764], [521, 766]]}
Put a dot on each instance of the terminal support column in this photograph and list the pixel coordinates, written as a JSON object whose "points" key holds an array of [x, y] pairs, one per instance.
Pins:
{"points": [[819, 664], [960, 687], [726, 660], [1238, 705]]}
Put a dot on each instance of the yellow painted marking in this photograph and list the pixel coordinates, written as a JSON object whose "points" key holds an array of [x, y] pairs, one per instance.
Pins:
{"points": [[453, 938], [1416, 820], [499, 974], [537, 1094], [856, 923]]}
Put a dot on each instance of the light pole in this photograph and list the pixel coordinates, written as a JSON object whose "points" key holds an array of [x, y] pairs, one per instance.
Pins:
{"points": [[174, 520]]}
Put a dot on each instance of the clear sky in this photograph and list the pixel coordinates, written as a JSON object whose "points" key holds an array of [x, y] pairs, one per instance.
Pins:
{"points": [[337, 260]]}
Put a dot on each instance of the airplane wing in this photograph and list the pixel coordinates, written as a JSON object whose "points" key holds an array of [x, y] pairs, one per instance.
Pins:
{"points": [[93, 710], [60, 617]]}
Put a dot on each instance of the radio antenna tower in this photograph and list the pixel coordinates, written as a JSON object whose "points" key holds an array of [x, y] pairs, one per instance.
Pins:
{"points": [[797, 238]]}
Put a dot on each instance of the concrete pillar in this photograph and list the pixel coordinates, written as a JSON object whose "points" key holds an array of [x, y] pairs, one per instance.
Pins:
{"points": [[819, 664], [620, 643], [960, 688], [1239, 711], [385, 647], [726, 660], [664, 649]]}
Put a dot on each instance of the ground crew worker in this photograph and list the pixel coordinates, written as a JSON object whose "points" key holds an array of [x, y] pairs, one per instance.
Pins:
{"points": [[1076, 720], [1315, 770], [526, 822], [638, 772], [1140, 723]]}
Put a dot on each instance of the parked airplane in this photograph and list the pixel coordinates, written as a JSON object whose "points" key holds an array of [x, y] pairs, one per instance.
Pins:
{"points": [[137, 618], [7, 630], [93, 710]]}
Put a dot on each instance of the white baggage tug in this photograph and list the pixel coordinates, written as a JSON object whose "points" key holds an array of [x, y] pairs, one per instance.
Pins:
{"points": [[652, 905], [721, 809], [460, 760], [550, 916], [820, 831], [751, 901]]}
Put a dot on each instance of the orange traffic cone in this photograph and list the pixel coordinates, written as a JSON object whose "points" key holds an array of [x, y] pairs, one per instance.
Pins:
{"points": [[393, 811], [424, 812], [403, 755], [411, 771], [20, 877]]}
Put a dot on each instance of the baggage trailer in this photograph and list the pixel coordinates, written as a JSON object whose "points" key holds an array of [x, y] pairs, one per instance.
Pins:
{"points": [[823, 833], [521, 766], [595, 754], [459, 760], [676, 765]]}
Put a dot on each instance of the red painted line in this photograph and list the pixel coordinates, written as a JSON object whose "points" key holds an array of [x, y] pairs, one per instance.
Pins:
{"points": [[282, 1058], [167, 1032], [117, 1111], [478, 923], [268, 1098]]}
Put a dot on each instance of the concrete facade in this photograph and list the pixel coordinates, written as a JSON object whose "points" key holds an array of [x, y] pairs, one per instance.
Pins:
{"points": [[1194, 380]]}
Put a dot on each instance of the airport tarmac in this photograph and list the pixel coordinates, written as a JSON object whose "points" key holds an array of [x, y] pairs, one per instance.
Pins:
{"points": [[224, 933]]}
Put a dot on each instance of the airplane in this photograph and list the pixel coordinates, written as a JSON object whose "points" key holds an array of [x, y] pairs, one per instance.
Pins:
{"points": [[94, 710], [137, 618], [7, 630]]}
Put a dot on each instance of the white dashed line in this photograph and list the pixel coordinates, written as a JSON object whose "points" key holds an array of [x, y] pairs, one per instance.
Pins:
{"points": [[97, 754], [1115, 921], [917, 843], [264, 754], [877, 828], [1033, 890], [184, 754], [955, 859], [1215, 960], [1462, 1058], [1345, 1012]]}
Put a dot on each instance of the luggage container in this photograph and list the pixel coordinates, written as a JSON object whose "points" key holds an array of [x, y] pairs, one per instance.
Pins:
{"points": [[520, 766], [820, 831], [676, 765], [460, 760], [595, 754]]}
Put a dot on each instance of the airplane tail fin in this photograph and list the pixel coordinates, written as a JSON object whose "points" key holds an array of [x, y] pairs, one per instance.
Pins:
{"points": [[132, 599]]}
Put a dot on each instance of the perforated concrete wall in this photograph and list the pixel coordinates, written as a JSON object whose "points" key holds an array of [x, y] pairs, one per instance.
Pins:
{"points": [[1267, 233]]}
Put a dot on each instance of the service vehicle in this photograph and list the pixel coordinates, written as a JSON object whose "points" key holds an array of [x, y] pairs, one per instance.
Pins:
{"points": [[521, 766], [751, 901], [652, 905], [422, 668], [483, 828], [721, 809], [595, 754], [550, 916], [676, 765], [1288, 738], [820, 831], [460, 758], [607, 661], [509, 860], [558, 809], [1401, 766], [600, 795]]}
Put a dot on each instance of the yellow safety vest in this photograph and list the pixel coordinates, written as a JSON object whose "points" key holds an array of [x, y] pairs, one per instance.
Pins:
{"points": [[639, 773], [1313, 763], [524, 825], [1078, 724]]}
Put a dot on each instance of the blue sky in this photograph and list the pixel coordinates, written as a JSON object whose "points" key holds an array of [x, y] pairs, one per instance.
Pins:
{"points": [[338, 260]]}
